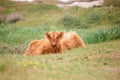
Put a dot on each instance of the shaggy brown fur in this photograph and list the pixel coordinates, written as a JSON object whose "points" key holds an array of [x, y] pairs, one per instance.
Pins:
{"points": [[55, 42], [51, 44], [71, 40]]}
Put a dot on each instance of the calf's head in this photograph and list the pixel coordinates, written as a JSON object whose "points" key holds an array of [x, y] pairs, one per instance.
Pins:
{"points": [[54, 37]]}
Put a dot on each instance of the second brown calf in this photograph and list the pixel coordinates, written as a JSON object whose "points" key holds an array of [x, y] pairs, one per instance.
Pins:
{"points": [[71, 40]]}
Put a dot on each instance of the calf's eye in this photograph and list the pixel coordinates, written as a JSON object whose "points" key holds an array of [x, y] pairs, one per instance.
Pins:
{"points": [[57, 37]]}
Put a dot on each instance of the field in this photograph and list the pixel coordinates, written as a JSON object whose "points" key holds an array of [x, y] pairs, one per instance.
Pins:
{"points": [[96, 62], [99, 27]]}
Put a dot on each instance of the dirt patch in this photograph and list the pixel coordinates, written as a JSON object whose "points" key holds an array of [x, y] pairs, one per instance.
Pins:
{"points": [[113, 69], [109, 55]]}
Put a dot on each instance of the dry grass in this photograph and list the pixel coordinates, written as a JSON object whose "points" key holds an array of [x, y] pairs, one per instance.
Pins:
{"points": [[96, 62]]}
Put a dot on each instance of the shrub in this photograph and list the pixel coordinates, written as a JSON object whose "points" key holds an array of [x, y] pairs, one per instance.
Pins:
{"points": [[83, 26], [103, 35], [69, 21], [92, 18], [13, 17]]}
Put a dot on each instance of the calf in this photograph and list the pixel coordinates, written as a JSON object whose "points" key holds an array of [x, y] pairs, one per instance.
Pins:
{"points": [[51, 44]]}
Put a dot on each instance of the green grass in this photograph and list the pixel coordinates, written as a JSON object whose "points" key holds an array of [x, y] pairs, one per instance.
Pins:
{"points": [[16, 39], [103, 35], [41, 14], [20, 35], [96, 62]]}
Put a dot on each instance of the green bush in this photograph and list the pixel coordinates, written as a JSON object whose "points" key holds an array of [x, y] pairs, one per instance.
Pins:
{"points": [[70, 21], [103, 35], [92, 18], [83, 26], [112, 2]]}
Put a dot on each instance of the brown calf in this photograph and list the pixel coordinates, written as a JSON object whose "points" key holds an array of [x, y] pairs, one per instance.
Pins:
{"points": [[71, 40], [51, 44]]}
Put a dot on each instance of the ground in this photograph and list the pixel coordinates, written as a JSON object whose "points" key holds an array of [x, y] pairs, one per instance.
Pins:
{"points": [[96, 62]]}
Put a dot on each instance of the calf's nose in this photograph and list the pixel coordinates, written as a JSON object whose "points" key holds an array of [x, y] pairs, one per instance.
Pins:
{"points": [[53, 44]]}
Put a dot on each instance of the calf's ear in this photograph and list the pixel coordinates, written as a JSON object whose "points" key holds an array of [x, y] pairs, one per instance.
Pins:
{"points": [[46, 35], [61, 34]]}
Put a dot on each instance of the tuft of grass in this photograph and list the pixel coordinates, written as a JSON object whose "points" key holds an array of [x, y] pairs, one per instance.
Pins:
{"points": [[69, 21], [103, 35], [92, 18]]}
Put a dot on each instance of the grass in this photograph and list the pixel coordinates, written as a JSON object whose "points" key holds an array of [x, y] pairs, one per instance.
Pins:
{"points": [[103, 35], [21, 35], [39, 14], [112, 2], [96, 61], [99, 28]]}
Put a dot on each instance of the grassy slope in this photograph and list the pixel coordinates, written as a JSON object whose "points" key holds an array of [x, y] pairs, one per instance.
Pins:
{"points": [[95, 62], [40, 14], [16, 39]]}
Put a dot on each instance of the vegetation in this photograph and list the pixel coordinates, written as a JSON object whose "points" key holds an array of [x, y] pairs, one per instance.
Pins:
{"points": [[70, 21], [99, 27], [96, 61], [112, 2], [103, 35]]}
